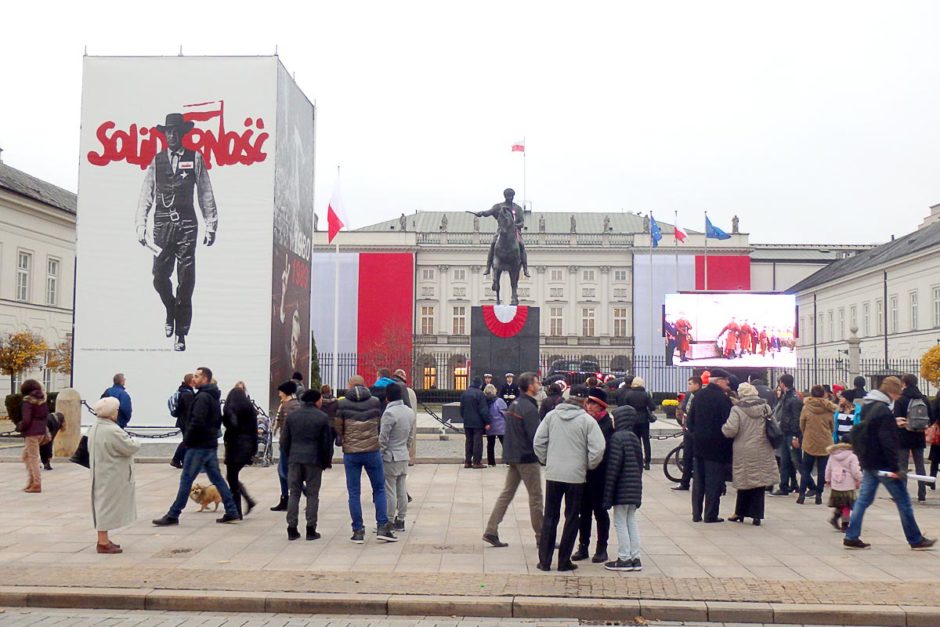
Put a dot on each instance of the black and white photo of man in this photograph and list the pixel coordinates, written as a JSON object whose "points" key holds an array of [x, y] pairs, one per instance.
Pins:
{"points": [[168, 190]]}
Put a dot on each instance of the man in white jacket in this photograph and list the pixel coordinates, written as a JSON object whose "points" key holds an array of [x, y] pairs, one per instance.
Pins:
{"points": [[568, 443], [394, 442]]}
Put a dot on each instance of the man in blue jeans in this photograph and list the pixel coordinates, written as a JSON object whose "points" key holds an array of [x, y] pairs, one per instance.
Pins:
{"points": [[357, 422], [876, 445], [202, 442]]}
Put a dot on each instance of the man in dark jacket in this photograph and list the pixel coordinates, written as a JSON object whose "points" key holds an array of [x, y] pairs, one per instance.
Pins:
{"points": [[357, 422], [712, 449], [764, 392], [911, 443], [475, 412], [876, 445], [185, 395], [787, 412], [592, 500], [642, 401], [509, 391], [522, 421], [202, 444], [623, 488], [307, 442], [688, 449]]}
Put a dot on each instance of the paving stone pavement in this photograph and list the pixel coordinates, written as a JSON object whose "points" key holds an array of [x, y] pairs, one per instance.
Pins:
{"points": [[143, 618], [47, 539]]}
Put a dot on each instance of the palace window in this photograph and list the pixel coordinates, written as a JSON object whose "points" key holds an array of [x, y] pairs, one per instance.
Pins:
{"points": [[556, 321], [936, 306], [427, 320], [52, 281], [460, 320], [24, 262], [587, 322], [620, 322]]}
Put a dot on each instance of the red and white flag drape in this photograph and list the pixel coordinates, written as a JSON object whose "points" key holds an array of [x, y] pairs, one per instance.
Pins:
{"points": [[335, 213]]}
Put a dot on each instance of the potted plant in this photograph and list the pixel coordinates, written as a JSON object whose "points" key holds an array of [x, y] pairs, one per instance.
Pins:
{"points": [[670, 405]]}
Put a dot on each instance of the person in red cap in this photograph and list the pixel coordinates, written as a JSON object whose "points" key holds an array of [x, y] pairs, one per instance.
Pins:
{"points": [[593, 497]]}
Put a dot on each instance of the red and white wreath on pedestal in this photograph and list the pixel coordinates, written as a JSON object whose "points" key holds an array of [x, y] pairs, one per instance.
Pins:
{"points": [[505, 320]]}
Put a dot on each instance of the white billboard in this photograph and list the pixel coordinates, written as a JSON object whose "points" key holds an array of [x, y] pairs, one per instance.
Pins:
{"points": [[175, 251]]}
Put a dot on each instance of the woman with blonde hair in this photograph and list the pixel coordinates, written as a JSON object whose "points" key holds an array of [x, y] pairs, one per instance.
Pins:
{"points": [[111, 460]]}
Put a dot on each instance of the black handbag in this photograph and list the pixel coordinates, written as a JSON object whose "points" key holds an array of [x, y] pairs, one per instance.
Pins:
{"points": [[80, 456], [773, 431]]}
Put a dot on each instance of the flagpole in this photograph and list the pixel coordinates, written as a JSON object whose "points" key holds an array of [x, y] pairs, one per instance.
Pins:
{"points": [[524, 197], [336, 308], [706, 251], [649, 374], [675, 242]]}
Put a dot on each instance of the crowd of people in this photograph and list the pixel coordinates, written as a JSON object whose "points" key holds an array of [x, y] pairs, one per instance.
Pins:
{"points": [[854, 440], [592, 439]]}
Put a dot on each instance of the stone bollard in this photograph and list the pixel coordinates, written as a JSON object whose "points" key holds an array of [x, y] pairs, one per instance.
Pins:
{"points": [[69, 404]]}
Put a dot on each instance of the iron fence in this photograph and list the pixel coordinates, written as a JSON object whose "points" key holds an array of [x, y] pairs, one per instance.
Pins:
{"points": [[437, 375]]}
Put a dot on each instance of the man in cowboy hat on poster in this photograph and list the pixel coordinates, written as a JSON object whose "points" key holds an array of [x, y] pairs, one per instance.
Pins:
{"points": [[168, 188]]}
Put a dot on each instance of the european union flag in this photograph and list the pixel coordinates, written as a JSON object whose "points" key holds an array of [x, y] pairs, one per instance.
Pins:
{"points": [[713, 231], [656, 233]]}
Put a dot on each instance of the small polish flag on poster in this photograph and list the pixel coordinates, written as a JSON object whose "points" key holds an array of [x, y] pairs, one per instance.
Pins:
{"points": [[519, 146], [679, 234], [335, 214]]}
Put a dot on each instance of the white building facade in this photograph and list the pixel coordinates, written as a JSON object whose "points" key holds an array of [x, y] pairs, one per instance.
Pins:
{"points": [[585, 277], [37, 264], [890, 294]]}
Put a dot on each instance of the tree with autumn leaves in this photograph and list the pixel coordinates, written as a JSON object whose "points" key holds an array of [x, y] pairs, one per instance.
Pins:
{"points": [[20, 352]]}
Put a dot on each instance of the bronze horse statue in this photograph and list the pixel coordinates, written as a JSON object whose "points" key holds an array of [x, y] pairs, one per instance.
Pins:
{"points": [[506, 255]]}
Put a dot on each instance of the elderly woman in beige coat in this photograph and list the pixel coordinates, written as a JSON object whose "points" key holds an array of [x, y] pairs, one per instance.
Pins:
{"points": [[754, 467], [111, 456]]}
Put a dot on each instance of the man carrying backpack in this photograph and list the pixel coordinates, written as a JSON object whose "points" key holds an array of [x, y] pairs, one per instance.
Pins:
{"points": [[914, 408], [180, 405], [875, 442]]}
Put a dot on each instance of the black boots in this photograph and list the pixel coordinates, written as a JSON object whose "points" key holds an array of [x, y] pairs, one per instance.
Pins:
{"points": [[580, 554], [292, 533], [312, 533], [281, 505]]}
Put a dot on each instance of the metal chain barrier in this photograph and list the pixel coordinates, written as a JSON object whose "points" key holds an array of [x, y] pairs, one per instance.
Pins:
{"points": [[444, 423]]}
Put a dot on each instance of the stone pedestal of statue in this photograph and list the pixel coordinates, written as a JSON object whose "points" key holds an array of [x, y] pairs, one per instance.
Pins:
{"points": [[69, 404]]}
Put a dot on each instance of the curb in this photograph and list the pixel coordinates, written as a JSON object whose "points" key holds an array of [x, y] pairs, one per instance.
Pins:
{"points": [[608, 610]]}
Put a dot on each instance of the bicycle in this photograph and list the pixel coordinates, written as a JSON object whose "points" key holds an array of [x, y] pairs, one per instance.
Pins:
{"points": [[674, 464]]}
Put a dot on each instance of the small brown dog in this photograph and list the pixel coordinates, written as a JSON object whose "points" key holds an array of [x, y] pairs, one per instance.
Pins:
{"points": [[205, 496]]}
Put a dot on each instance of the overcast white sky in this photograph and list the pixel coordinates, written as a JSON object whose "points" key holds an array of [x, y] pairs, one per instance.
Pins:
{"points": [[812, 121]]}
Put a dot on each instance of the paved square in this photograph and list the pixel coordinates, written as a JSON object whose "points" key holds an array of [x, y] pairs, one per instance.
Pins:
{"points": [[795, 557]]}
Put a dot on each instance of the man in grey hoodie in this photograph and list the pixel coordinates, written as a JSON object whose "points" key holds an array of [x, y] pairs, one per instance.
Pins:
{"points": [[395, 442], [568, 442]]}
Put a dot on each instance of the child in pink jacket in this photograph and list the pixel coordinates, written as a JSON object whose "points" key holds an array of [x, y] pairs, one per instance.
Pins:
{"points": [[843, 476]]}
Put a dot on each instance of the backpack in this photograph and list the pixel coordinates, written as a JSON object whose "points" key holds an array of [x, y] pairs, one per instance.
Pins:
{"points": [[173, 404], [918, 415]]}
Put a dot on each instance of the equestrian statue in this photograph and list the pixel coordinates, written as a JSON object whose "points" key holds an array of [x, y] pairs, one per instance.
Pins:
{"points": [[507, 251]]}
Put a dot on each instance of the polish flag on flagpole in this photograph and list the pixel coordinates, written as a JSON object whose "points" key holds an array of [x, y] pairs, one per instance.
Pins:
{"points": [[335, 213], [519, 146], [679, 234]]}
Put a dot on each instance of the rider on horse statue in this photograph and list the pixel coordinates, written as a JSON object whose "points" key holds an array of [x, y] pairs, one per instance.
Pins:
{"points": [[518, 218]]}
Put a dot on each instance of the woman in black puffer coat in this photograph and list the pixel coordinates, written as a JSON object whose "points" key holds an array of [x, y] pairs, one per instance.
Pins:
{"points": [[641, 400], [241, 442], [623, 487]]}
